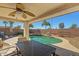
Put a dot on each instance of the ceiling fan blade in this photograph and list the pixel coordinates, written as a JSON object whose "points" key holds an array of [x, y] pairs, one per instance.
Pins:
{"points": [[20, 6], [24, 15], [12, 13], [29, 13], [7, 7]]}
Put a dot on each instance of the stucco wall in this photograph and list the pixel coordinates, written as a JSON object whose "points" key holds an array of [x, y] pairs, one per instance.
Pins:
{"points": [[58, 32]]}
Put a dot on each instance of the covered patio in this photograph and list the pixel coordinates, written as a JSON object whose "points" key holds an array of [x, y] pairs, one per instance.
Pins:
{"points": [[40, 12]]}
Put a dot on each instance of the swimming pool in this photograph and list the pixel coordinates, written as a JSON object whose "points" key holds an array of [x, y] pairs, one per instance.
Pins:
{"points": [[45, 40]]}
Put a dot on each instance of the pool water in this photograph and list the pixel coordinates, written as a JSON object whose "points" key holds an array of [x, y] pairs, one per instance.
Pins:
{"points": [[45, 40]]}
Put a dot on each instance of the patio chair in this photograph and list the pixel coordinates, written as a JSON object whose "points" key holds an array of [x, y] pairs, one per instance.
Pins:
{"points": [[33, 48]]}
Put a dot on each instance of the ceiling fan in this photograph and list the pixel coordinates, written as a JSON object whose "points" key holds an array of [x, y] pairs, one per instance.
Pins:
{"points": [[20, 10]]}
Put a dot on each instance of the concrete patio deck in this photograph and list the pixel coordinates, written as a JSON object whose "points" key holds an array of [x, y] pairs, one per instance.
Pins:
{"points": [[63, 49]]}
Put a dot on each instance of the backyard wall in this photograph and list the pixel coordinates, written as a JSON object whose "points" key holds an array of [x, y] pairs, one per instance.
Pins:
{"points": [[35, 32], [57, 32]]}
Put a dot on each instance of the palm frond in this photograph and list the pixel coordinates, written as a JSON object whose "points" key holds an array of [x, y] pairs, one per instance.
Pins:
{"points": [[45, 23]]}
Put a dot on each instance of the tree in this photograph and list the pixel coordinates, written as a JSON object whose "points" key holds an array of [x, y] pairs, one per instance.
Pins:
{"points": [[11, 25], [61, 25], [18, 27], [5, 22], [18, 30], [45, 23], [31, 26], [74, 26]]}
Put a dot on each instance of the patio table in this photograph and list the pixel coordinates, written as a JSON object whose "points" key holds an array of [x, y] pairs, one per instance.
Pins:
{"points": [[34, 48]]}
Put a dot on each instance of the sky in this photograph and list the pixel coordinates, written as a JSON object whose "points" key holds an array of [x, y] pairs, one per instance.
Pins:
{"points": [[68, 20], [15, 24]]}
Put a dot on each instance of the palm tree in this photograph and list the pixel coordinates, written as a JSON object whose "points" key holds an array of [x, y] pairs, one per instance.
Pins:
{"points": [[31, 26], [11, 25], [5, 22], [45, 23]]}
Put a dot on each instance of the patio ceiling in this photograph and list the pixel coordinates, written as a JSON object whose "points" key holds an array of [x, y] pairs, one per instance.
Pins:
{"points": [[41, 10]]}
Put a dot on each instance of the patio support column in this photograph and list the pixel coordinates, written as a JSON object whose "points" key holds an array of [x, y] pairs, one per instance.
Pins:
{"points": [[26, 30]]}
